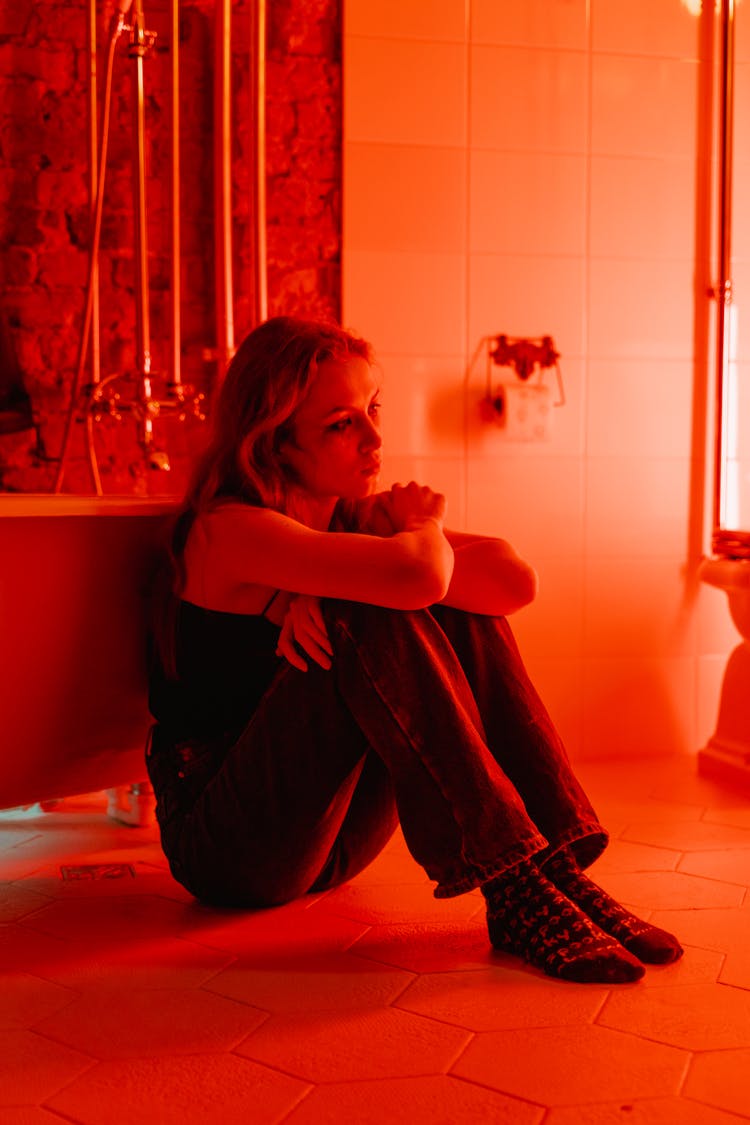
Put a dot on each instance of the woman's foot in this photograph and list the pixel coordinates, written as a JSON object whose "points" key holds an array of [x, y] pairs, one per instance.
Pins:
{"points": [[529, 917], [648, 943]]}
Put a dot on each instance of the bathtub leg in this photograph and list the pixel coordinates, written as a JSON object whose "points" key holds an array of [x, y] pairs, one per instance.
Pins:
{"points": [[132, 804]]}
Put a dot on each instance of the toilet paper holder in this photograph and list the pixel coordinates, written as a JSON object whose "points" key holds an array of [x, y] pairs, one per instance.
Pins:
{"points": [[527, 356]]}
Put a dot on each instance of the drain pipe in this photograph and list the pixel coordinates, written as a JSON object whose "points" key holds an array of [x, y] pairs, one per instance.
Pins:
{"points": [[224, 281], [723, 540], [258, 111]]}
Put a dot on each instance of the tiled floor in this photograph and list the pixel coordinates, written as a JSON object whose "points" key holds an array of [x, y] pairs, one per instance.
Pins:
{"points": [[122, 1000]]}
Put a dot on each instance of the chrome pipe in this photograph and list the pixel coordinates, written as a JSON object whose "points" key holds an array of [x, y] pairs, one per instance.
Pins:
{"points": [[258, 111], [722, 289], [223, 186], [117, 27], [93, 124], [175, 378], [139, 44]]}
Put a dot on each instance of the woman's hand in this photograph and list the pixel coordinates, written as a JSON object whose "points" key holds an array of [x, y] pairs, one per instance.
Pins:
{"points": [[304, 628], [400, 509]]}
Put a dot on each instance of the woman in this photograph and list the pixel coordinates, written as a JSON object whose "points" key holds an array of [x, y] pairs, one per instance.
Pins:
{"points": [[334, 661]]}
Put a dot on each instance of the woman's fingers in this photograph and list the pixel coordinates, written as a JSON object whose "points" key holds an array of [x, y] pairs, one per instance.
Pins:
{"points": [[286, 648], [304, 628]]}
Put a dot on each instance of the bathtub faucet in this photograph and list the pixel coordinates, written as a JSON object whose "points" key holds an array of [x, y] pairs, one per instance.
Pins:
{"points": [[101, 400]]}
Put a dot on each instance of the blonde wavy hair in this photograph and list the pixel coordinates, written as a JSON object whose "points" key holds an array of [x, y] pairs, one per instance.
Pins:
{"points": [[251, 416]]}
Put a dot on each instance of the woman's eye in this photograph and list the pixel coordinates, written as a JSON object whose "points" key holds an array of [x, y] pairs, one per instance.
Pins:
{"points": [[341, 425], [374, 409]]}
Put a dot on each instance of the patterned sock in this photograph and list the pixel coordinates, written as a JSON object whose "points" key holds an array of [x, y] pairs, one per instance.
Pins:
{"points": [[529, 917], [648, 943]]}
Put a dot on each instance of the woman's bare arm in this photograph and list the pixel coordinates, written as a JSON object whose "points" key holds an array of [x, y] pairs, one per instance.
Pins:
{"points": [[242, 545], [489, 576]]}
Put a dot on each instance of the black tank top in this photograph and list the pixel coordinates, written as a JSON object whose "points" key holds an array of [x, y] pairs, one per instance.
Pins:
{"points": [[225, 662]]}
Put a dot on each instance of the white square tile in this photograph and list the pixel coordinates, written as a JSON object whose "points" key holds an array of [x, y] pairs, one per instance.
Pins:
{"points": [[635, 608], [423, 405], [404, 197], [552, 626], [641, 407], [645, 27], [527, 203], [635, 708], [528, 100], [404, 92], [636, 506], [640, 309], [436, 20], [642, 207], [537, 507], [535, 23], [409, 304], [558, 681], [643, 106]]}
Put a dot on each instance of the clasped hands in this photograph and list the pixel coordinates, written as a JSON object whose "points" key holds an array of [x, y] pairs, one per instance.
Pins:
{"points": [[384, 514]]}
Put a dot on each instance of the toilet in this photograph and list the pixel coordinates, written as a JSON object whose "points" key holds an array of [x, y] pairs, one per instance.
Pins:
{"points": [[727, 754]]}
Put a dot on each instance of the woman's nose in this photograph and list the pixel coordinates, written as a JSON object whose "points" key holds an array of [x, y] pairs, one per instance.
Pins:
{"points": [[371, 438]]}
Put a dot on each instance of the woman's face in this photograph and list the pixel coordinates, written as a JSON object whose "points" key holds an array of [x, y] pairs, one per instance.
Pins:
{"points": [[335, 452]]}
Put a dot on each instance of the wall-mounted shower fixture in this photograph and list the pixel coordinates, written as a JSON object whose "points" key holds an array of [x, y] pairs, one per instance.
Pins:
{"points": [[96, 399], [93, 400], [521, 407]]}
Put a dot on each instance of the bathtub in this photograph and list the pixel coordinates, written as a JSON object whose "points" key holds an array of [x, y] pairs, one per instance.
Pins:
{"points": [[74, 571]]}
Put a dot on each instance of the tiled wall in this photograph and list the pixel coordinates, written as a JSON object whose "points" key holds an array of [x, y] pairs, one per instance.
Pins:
{"points": [[531, 169]]}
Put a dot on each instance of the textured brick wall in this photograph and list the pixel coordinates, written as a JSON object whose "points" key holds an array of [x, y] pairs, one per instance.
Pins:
{"points": [[44, 211]]}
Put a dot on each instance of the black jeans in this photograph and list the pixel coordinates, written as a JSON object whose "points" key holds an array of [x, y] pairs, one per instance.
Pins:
{"points": [[426, 717]]}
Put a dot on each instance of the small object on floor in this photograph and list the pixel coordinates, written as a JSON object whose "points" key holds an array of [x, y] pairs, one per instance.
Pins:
{"points": [[80, 872], [529, 917], [132, 804]]}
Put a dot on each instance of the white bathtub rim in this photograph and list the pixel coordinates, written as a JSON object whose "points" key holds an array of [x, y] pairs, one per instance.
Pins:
{"points": [[23, 504]]}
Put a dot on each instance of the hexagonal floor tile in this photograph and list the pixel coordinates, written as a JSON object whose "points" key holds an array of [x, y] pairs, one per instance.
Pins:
{"points": [[29, 1115], [721, 1078], [33, 1067], [501, 998], [291, 928], [736, 969], [143, 1023], [205, 1089], [571, 1066], [351, 1046], [162, 963], [623, 855], [33, 952], [27, 999], [654, 1111], [697, 966], [405, 1101], [687, 836], [724, 929], [425, 947], [732, 865], [392, 903], [16, 902], [122, 919], [286, 985], [698, 1017], [671, 890], [738, 817]]}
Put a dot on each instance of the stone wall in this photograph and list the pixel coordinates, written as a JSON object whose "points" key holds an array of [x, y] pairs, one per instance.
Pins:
{"points": [[45, 214]]}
